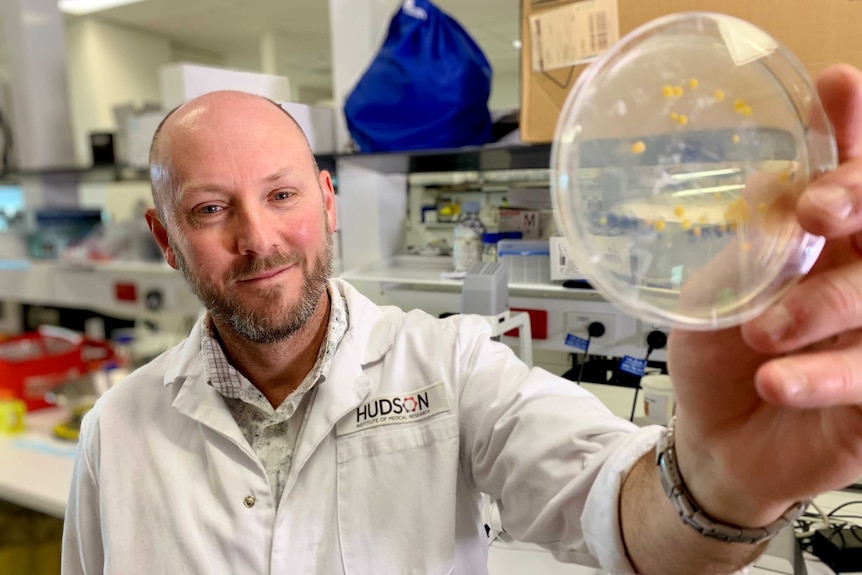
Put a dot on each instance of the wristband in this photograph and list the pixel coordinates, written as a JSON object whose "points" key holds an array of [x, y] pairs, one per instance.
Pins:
{"points": [[694, 516]]}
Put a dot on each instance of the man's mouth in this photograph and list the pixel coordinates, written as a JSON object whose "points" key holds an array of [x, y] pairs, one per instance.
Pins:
{"points": [[264, 275]]}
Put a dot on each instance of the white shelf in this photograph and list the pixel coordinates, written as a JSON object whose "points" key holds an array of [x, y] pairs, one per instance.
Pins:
{"points": [[95, 286], [419, 272], [435, 225]]}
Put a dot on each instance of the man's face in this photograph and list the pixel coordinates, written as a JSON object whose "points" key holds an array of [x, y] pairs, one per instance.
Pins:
{"points": [[257, 324], [252, 232]]}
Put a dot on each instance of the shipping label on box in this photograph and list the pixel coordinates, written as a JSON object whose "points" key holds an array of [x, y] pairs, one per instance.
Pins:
{"points": [[572, 34]]}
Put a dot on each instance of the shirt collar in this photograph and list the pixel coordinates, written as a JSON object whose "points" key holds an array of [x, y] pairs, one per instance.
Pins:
{"points": [[229, 382]]}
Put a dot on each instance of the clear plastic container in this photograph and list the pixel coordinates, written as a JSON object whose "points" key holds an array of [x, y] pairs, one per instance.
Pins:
{"points": [[528, 261], [489, 251], [468, 245], [676, 167]]}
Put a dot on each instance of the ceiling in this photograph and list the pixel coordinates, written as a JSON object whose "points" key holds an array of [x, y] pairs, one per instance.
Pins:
{"points": [[232, 30]]}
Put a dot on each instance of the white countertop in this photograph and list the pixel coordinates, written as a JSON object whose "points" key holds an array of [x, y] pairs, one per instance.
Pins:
{"points": [[35, 467]]}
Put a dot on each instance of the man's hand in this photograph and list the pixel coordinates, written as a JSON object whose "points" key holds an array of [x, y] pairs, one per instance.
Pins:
{"points": [[769, 413]]}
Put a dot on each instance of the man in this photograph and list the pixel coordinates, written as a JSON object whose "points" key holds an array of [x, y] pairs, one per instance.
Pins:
{"points": [[302, 429]]}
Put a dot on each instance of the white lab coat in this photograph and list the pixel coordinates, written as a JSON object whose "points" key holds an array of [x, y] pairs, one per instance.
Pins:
{"points": [[166, 483]]}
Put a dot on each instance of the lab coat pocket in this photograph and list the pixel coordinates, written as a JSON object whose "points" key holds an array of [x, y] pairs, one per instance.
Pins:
{"points": [[396, 498]]}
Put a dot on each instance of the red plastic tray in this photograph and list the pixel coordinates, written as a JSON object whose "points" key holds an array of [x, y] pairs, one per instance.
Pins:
{"points": [[34, 363]]}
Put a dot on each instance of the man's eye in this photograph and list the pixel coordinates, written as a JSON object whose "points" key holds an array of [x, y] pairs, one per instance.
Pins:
{"points": [[209, 209], [282, 195]]}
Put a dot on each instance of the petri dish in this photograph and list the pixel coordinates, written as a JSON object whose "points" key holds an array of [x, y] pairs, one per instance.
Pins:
{"points": [[677, 163]]}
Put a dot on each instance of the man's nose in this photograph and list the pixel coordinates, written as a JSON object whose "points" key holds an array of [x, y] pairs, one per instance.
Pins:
{"points": [[256, 232]]}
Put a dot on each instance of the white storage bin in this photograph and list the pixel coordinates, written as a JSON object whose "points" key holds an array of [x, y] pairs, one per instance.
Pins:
{"points": [[528, 261]]}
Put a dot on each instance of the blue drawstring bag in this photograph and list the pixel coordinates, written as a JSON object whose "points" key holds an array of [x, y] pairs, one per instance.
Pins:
{"points": [[428, 87]]}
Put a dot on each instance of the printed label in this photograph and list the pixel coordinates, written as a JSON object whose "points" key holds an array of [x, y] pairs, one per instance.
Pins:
{"points": [[633, 365], [403, 408], [577, 342], [572, 34]]}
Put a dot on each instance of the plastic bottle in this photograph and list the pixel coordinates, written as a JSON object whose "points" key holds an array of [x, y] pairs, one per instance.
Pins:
{"points": [[489, 253], [468, 238]]}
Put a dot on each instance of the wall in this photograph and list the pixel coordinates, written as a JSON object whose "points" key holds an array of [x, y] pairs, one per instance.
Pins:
{"points": [[247, 59], [505, 91], [109, 66], [185, 53]]}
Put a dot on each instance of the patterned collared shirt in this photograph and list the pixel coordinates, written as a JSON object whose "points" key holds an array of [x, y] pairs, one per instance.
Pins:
{"points": [[273, 433]]}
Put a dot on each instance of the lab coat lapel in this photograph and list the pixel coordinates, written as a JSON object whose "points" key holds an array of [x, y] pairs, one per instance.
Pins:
{"points": [[369, 338], [344, 389], [203, 403], [196, 398]]}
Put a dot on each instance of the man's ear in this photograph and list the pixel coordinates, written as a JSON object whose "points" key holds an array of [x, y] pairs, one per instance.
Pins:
{"points": [[160, 233], [328, 190]]}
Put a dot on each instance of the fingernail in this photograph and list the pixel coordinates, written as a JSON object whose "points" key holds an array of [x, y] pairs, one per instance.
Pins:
{"points": [[833, 200], [791, 381], [776, 322]]}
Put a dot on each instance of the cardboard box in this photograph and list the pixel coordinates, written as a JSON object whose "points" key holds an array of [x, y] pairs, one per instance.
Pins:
{"points": [[819, 33], [525, 221]]}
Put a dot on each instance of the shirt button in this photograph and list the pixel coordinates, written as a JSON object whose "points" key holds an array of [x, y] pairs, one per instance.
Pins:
{"points": [[289, 409], [249, 501]]}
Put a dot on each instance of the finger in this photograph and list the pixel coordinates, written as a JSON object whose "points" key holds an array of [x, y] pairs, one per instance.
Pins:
{"points": [[821, 306], [830, 206], [840, 89], [813, 380]]}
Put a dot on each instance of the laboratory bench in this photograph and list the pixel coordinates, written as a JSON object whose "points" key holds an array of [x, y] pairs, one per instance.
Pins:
{"points": [[35, 467]]}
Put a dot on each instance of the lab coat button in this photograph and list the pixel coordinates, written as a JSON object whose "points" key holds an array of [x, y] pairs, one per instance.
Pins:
{"points": [[249, 501]]}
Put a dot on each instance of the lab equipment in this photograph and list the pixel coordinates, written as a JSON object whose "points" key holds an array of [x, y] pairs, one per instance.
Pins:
{"points": [[485, 290], [676, 167]]}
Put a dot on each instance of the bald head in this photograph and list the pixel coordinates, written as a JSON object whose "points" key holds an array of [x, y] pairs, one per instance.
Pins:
{"points": [[187, 128]]}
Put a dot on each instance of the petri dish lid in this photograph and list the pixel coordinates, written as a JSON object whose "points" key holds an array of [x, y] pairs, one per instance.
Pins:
{"points": [[677, 164]]}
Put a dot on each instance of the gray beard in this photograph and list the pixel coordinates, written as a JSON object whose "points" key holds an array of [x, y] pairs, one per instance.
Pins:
{"points": [[252, 324]]}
